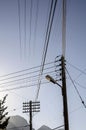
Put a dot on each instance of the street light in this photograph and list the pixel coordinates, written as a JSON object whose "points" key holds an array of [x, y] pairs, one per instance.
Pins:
{"points": [[49, 78]]}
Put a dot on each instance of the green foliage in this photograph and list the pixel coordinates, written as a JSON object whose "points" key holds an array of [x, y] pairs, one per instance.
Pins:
{"points": [[3, 119]]}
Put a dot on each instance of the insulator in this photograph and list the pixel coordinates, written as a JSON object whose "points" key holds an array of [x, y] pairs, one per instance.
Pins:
{"points": [[60, 59], [60, 69], [25, 111], [60, 64], [59, 79], [57, 58], [25, 103], [25, 108], [60, 74], [36, 102], [57, 70], [36, 107]]}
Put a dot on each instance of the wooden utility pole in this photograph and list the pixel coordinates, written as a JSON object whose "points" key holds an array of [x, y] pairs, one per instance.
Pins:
{"points": [[30, 107], [30, 111], [64, 91], [64, 94]]}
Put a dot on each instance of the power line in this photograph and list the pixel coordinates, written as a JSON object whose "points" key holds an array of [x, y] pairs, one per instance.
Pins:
{"points": [[26, 79], [25, 74], [58, 21], [19, 27], [25, 83], [50, 22], [76, 90], [77, 68], [25, 70], [16, 80], [35, 30], [75, 110], [79, 75], [80, 85], [20, 87], [81, 72], [30, 33], [25, 26]]}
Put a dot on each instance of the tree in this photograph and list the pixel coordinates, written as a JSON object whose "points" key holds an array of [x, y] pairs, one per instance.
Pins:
{"points": [[3, 119]]}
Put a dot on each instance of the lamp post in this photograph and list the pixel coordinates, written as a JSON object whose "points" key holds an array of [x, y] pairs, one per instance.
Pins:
{"points": [[63, 88], [49, 78]]}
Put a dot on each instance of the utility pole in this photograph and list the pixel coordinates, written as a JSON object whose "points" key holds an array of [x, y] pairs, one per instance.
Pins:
{"points": [[64, 94], [30, 107], [63, 88], [30, 111]]}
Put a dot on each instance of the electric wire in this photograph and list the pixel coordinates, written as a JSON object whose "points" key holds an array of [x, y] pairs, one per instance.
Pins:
{"points": [[47, 35], [36, 24], [50, 22], [77, 68], [76, 89], [30, 32], [25, 74], [47, 18], [44, 54], [19, 27], [25, 70], [43, 60], [78, 108], [25, 80], [24, 26], [80, 85], [21, 87], [81, 72], [58, 22], [18, 86], [17, 79], [22, 79]]}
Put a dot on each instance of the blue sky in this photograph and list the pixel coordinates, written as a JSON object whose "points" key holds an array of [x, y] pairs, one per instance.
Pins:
{"points": [[32, 36]]}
